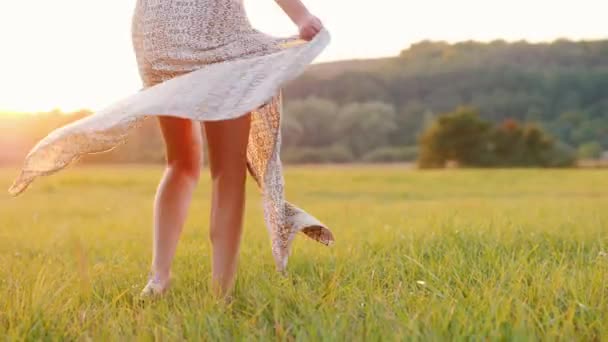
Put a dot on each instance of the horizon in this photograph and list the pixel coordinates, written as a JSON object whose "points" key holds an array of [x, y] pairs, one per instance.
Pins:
{"points": [[5, 111], [93, 66], [59, 110]]}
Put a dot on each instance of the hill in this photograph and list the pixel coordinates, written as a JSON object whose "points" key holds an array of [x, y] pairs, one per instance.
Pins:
{"points": [[374, 110], [561, 85]]}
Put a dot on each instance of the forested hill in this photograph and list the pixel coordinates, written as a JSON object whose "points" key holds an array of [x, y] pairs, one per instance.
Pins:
{"points": [[374, 110], [561, 85]]}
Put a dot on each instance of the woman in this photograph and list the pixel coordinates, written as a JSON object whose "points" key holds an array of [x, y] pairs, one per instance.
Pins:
{"points": [[201, 61]]}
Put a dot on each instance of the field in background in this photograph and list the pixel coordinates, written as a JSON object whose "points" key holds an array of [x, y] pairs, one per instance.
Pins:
{"points": [[422, 255]]}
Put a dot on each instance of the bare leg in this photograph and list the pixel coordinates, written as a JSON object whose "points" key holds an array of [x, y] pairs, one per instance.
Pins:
{"points": [[227, 143], [183, 153]]}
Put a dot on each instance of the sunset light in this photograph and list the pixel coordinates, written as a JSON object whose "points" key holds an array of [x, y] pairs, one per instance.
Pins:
{"points": [[73, 54], [180, 170]]}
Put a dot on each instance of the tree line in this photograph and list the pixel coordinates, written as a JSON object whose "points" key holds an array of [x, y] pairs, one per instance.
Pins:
{"points": [[562, 86], [464, 139], [382, 110]]}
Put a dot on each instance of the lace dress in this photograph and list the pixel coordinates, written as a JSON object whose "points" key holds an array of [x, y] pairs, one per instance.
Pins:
{"points": [[201, 60]]}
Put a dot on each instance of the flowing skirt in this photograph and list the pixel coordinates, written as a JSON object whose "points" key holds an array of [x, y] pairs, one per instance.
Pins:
{"points": [[201, 60]]}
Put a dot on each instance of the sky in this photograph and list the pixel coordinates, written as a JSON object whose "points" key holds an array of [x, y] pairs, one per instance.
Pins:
{"points": [[73, 54]]}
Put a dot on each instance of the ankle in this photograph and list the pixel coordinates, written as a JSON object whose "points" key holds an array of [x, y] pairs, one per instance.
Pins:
{"points": [[160, 277]]}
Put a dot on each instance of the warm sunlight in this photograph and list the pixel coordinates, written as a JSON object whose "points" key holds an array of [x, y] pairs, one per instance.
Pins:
{"points": [[179, 170], [72, 54]]}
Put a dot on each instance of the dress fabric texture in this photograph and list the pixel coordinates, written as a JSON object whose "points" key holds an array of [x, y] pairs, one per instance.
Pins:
{"points": [[201, 60]]}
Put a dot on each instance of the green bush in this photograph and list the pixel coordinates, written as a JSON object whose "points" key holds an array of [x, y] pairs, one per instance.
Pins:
{"points": [[460, 136], [463, 137], [562, 155], [590, 150]]}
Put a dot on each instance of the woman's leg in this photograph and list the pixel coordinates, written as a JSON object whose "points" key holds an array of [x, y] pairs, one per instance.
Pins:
{"points": [[227, 144], [183, 152]]}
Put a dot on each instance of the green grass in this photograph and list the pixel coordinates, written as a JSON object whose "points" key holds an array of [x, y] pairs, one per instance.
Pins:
{"points": [[482, 254]]}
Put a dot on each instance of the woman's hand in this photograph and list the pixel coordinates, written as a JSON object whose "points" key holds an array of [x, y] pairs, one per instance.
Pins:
{"points": [[309, 26]]}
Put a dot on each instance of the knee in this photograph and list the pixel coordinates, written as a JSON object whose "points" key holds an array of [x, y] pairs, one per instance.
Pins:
{"points": [[186, 167]]}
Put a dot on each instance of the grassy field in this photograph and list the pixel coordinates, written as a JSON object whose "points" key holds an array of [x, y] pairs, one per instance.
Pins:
{"points": [[513, 254]]}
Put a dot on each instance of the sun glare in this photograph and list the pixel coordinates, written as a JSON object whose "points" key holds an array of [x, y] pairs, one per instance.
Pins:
{"points": [[73, 54]]}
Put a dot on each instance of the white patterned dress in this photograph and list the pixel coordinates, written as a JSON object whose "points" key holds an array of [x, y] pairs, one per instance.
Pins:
{"points": [[201, 60]]}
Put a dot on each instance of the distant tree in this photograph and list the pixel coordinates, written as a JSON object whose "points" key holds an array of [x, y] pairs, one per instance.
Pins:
{"points": [[410, 119], [460, 136], [464, 138], [590, 150], [363, 127], [561, 155], [291, 129], [515, 145], [310, 122], [539, 147]]}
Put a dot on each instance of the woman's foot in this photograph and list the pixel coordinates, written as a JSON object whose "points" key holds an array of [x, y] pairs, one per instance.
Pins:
{"points": [[155, 287]]}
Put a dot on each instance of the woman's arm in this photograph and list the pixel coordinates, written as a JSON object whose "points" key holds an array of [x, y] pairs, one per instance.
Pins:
{"points": [[308, 24]]}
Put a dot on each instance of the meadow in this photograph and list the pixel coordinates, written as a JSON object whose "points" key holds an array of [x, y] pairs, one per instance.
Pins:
{"points": [[419, 255]]}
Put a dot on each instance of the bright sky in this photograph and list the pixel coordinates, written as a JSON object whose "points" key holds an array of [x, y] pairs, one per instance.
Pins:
{"points": [[73, 54]]}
